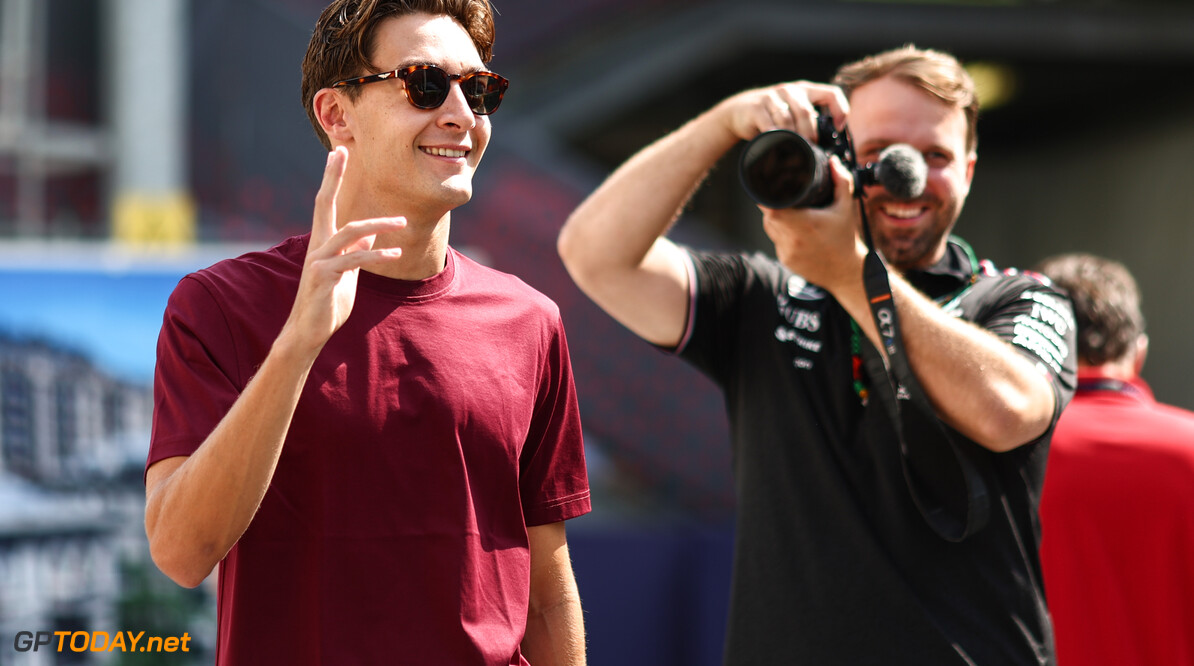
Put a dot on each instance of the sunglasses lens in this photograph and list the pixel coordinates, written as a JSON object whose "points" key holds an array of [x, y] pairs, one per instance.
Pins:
{"points": [[427, 87], [483, 92]]}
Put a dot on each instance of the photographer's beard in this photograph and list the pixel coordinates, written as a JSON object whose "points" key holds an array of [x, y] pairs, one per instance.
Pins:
{"points": [[911, 234]]}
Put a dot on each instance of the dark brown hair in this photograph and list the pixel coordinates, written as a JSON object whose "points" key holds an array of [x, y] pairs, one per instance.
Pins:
{"points": [[935, 72], [342, 43], [1106, 304]]}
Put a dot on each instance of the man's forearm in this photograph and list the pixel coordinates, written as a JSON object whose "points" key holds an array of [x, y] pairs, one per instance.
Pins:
{"points": [[196, 510], [977, 382], [619, 222], [613, 244], [555, 635], [555, 631]]}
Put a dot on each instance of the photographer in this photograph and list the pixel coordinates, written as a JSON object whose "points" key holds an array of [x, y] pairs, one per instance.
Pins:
{"points": [[840, 554]]}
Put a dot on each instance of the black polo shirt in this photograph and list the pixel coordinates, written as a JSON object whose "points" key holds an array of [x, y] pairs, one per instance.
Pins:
{"points": [[834, 563]]}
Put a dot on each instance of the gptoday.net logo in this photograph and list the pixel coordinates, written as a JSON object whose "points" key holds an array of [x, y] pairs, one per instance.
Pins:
{"points": [[98, 641]]}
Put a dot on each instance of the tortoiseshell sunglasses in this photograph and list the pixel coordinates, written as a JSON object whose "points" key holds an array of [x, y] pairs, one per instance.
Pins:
{"points": [[427, 87]]}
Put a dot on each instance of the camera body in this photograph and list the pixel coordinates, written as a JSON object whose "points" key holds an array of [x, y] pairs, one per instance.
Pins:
{"points": [[781, 169]]}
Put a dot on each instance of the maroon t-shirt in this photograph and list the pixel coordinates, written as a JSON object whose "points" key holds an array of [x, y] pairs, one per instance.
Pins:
{"points": [[436, 425]]}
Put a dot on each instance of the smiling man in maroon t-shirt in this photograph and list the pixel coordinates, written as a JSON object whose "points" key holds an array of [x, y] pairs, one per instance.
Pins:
{"points": [[375, 438]]}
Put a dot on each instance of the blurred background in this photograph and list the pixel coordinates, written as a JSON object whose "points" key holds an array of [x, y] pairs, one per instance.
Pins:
{"points": [[143, 139]]}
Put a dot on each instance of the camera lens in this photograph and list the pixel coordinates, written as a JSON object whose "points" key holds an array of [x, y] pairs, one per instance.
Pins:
{"points": [[780, 169]]}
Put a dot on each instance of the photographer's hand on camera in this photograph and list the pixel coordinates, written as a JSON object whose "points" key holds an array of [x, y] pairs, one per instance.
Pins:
{"points": [[614, 244], [790, 106], [822, 245]]}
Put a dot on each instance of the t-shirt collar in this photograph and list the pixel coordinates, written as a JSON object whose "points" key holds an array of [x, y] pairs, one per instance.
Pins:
{"points": [[955, 270]]}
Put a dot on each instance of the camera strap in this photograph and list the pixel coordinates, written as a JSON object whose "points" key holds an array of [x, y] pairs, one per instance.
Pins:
{"points": [[944, 482]]}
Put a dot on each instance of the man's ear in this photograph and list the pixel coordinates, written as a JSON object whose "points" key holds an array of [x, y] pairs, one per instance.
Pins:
{"points": [[332, 110], [1141, 352]]}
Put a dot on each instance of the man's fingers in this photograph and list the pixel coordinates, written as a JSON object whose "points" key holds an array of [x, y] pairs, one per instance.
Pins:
{"points": [[779, 112], [790, 106], [832, 98], [342, 263], [323, 225], [354, 233], [843, 180]]}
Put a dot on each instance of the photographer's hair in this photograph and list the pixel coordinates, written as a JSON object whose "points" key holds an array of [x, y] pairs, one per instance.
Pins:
{"points": [[342, 43], [1106, 304], [935, 72]]}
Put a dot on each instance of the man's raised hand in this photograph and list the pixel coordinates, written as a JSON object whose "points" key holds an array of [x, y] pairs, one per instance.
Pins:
{"points": [[335, 255]]}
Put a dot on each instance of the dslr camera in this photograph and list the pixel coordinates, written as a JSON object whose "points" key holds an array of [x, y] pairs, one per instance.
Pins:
{"points": [[781, 169]]}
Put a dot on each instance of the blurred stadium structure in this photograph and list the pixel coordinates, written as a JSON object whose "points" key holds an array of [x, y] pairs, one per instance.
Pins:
{"points": [[155, 123]]}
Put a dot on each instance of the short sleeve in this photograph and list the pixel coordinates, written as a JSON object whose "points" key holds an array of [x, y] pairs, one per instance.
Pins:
{"points": [[553, 480], [718, 283], [195, 379], [1038, 321]]}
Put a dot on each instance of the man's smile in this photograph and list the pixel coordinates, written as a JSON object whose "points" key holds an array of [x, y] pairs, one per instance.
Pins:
{"points": [[444, 152]]}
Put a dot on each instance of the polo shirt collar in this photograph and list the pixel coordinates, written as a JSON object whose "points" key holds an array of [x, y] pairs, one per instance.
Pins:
{"points": [[955, 270]]}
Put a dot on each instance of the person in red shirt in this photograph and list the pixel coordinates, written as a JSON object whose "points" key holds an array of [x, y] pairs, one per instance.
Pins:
{"points": [[374, 437], [1117, 509]]}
